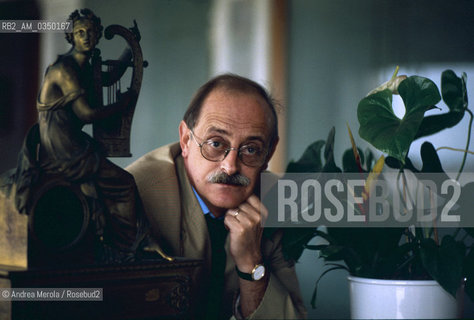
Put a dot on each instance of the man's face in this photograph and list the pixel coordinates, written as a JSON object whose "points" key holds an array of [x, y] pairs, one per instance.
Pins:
{"points": [[239, 119], [85, 37]]}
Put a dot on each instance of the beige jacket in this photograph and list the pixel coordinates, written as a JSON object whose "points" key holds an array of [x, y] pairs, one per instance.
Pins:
{"points": [[179, 225]]}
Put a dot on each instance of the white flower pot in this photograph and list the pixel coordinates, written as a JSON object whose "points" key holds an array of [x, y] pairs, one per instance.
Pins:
{"points": [[400, 299]]}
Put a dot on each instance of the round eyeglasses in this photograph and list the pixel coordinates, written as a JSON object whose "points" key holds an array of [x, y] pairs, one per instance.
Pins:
{"points": [[216, 149]]}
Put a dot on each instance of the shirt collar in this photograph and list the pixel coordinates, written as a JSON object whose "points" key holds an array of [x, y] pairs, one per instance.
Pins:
{"points": [[204, 207]]}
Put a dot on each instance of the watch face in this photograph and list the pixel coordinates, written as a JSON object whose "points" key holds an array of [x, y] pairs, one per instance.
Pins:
{"points": [[258, 273]]}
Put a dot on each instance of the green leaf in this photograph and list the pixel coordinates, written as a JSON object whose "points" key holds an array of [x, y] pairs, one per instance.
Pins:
{"points": [[429, 256], [330, 165], [454, 91], [429, 156], [316, 247], [454, 94], [470, 231], [418, 93], [332, 253], [436, 123], [383, 129], [444, 263], [469, 274], [294, 241], [310, 161], [360, 249], [370, 160], [396, 164], [349, 163], [466, 203]]}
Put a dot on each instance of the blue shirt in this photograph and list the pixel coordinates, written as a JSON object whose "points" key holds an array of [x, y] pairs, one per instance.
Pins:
{"points": [[204, 207]]}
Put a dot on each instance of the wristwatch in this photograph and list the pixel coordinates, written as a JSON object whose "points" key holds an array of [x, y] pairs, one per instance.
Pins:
{"points": [[257, 273]]}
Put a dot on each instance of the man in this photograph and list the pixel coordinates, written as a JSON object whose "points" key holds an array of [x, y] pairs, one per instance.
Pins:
{"points": [[66, 102], [227, 137]]}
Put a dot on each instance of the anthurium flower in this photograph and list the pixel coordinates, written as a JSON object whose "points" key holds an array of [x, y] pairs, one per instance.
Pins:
{"points": [[391, 84]]}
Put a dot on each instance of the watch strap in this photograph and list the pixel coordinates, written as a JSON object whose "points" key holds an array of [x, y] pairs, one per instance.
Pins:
{"points": [[244, 275], [249, 276]]}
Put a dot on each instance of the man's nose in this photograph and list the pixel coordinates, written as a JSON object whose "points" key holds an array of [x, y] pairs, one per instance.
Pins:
{"points": [[230, 164]]}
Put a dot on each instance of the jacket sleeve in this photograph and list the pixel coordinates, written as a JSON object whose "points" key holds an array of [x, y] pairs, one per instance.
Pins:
{"points": [[282, 299]]}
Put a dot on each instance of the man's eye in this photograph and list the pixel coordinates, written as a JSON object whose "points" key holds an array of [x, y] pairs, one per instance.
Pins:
{"points": [[251, 150], [216, 144]]}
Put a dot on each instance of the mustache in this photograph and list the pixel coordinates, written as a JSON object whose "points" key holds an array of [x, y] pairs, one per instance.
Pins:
{"points": [[235, 179]]}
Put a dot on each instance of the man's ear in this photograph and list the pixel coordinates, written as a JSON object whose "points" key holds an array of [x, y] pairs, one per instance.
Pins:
{"points": [[270, 153], [184, 138]]}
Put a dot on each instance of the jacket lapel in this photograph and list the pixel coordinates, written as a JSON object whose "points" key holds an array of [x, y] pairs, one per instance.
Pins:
{"points": [[195, 237]]}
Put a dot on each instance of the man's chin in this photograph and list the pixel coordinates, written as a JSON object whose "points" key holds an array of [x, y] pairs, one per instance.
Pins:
{"points": [[227, 204]]}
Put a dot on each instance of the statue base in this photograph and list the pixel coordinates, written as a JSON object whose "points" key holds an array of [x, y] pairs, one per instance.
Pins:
{"points": [[13, 234]]}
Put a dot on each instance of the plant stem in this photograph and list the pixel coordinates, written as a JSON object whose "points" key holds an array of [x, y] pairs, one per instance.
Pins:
{"points": [[435, 227], [406, 192], [395, 73], [455, 149], [406, 262], [467, 144]]}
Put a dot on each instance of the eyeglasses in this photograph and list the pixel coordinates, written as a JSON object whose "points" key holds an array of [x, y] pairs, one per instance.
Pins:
{"points": [[216, 149]]}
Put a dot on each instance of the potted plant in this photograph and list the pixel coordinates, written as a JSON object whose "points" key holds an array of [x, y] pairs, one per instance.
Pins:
{"points": [[417, 252]]}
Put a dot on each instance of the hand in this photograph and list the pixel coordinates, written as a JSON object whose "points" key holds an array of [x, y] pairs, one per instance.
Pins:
{"points": [[245, 232]]}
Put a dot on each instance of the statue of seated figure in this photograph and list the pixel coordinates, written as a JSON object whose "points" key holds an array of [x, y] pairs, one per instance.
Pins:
{"points": [[58, 156]]}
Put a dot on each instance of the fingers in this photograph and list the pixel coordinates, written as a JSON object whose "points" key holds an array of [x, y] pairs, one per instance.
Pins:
{"points": [[245, 232], [251, 213], [255, 202]]}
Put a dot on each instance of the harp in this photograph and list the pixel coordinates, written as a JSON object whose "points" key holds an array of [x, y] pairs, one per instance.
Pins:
{"points": [[114, 133]]}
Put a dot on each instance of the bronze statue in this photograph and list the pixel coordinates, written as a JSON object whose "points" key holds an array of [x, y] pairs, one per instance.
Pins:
{"points": [[56, 148]]}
